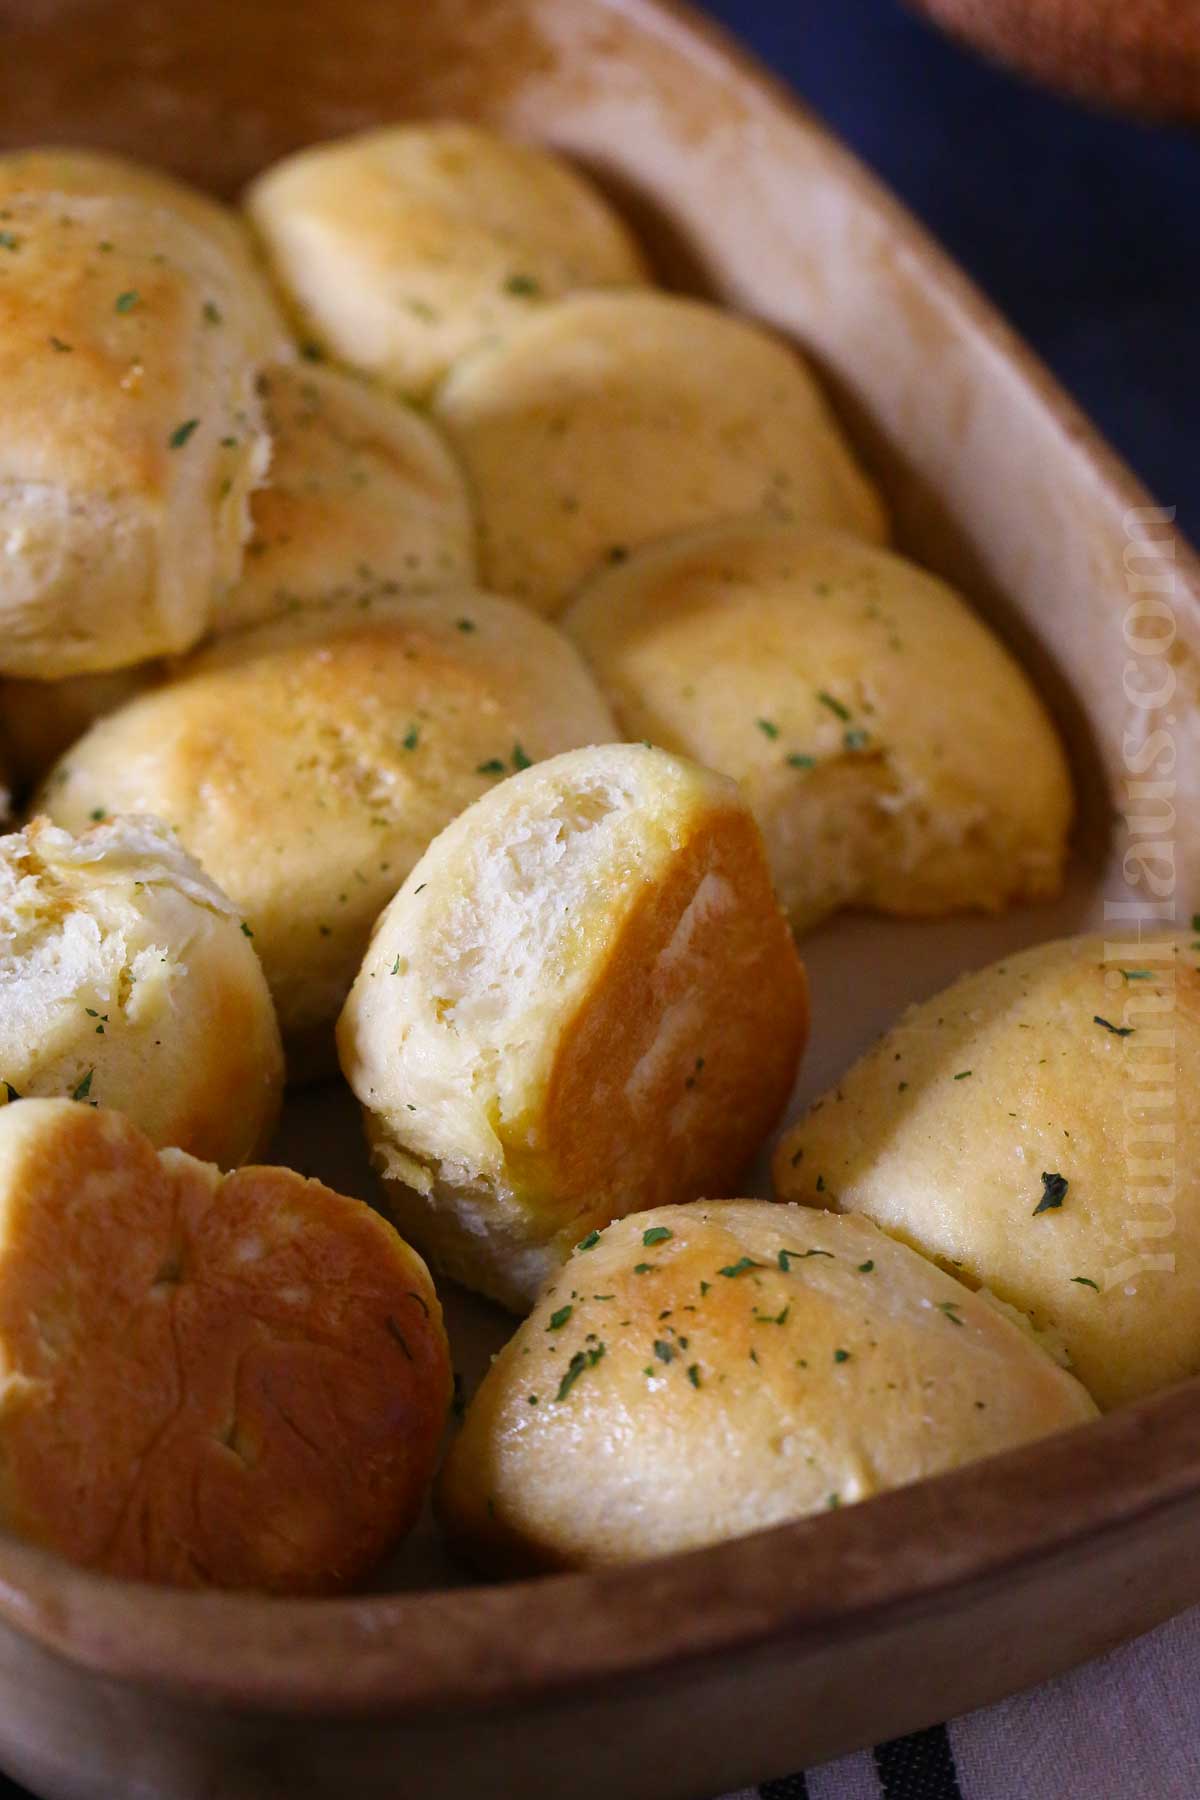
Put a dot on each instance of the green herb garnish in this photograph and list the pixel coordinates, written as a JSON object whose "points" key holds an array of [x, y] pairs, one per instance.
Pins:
{"points": [[582, 1359], [1054, 1188], [740, 1266], [787, 1257]]}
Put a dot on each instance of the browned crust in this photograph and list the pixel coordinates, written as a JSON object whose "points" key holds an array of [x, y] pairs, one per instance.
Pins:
{"points": [[229, 1383]]}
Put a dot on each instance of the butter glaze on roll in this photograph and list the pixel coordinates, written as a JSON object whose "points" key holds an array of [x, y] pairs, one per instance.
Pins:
{"points": [[363, 500], [99, 174], [308, 762], [699, 1372], [1036, 1127], [583, 1000], [894, 753], [401, 249], [612, 419], [130, 344]]}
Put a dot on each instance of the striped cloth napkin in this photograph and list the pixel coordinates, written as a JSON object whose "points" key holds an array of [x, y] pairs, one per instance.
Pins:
{"points": [[1125, 1727]]}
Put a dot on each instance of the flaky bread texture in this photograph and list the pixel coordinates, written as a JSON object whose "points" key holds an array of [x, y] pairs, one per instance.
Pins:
{"points": [[308, 763], [704, 1371], [400, 249], [583, 1000], [894, 753], [209, 1382], [1036, 1128], [612, 419], [128, 980], [133, 433]]}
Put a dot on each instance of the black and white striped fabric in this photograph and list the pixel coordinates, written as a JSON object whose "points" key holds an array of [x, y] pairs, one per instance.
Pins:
{"points": [[1126, 1727]]}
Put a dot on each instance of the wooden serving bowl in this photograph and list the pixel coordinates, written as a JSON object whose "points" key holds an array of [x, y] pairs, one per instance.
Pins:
{"points": [[1142, 55], [698, 1673]]}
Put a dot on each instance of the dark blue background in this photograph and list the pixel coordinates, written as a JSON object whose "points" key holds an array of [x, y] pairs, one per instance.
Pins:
{"points": [[1084, 228]]}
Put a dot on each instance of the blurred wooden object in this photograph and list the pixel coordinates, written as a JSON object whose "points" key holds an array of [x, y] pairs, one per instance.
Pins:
{"points": [[1142, 56]]}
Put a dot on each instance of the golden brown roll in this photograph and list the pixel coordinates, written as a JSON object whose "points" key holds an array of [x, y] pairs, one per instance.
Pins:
{"points": [[211, 1381], [129, 347], [612, 419], [307, 763], [99, 174], [893, 752], [699, 1372], [584, 1000], [363, 500], [1036, 1127], [401, 248], [129, 980]]}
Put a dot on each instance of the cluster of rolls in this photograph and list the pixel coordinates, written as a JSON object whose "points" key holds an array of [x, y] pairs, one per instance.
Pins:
{"points": [[425, 645]]}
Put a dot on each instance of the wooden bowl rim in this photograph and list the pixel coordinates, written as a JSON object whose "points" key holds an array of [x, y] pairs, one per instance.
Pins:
{"points": [[886, 1561]]}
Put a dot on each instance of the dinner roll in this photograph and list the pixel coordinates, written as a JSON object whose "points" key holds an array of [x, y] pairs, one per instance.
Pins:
{"points": [[699, 1372], [127, 978], [583, 1000], [612, 419], [132, 431], [210, 1381], [98, 174], [893, 752], [363, 499], [308, 762], [1037, 1127], [399, 249]]}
